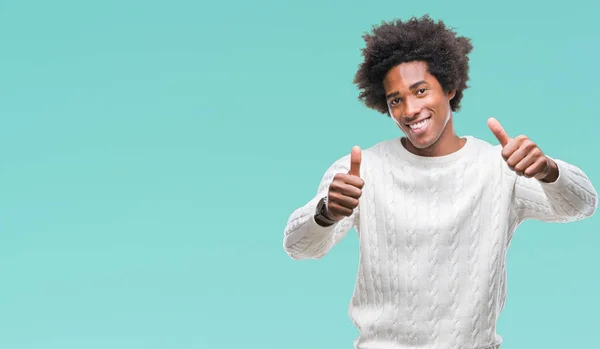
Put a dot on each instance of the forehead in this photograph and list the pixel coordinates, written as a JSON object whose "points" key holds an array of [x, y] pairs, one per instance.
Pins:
{"points": [[405, 74]]}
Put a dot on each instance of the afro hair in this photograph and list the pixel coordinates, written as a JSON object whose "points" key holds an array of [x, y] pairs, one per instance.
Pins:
{"points": [[417, 39]]}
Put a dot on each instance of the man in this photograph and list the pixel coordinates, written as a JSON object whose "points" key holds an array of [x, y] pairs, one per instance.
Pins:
{"points": [[434, 212]]}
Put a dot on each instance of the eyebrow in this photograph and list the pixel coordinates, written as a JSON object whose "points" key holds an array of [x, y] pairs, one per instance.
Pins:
{"points": [[411, 87]]}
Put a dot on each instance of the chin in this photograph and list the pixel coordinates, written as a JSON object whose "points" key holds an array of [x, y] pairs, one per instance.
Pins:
{"points": [[424, 140], [421, 143]]}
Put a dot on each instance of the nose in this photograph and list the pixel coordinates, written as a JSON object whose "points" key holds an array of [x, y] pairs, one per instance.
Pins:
{"points": [[413, 108]]}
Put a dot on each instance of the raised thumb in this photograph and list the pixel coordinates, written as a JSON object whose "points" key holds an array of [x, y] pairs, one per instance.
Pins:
{"points": [[355, 160]]}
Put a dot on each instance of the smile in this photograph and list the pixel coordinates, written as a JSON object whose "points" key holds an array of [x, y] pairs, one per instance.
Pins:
{"points": [[419, 124]]}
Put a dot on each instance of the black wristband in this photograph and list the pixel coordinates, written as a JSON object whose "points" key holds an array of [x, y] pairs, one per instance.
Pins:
{"points": [[320, 212]]}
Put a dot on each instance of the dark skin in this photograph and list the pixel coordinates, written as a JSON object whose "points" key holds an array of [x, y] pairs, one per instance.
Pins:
{"points": [[523, 156], [413, 96], [345, 190]]}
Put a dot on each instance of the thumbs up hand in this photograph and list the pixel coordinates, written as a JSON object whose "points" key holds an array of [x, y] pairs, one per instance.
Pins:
{"points": [[345, 189], [523, 156]]}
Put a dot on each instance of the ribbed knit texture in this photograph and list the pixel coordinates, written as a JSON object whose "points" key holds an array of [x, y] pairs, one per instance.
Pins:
{"points": [[433, 235]]}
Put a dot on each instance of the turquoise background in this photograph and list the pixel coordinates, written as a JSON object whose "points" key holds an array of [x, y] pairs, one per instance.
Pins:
{"points": [[152, 152]]}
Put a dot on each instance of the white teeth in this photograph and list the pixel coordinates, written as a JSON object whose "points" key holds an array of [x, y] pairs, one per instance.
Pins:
{"points": [[419, 124]]}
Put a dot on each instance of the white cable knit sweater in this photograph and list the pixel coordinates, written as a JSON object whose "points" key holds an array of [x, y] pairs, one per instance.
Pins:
{"points": [[433, 235]]}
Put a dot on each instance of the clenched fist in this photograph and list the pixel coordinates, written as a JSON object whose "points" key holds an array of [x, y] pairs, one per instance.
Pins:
{"points": [[523, 156], [345, 190]]}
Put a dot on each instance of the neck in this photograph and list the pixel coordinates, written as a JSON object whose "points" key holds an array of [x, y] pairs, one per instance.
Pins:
{"points": [[448, 143]]}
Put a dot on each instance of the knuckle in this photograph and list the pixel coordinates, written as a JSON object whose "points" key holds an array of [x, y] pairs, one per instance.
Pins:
{"points": [[340, 177], [530, 144], [332, 196], [330, 207], [519, 168], [336, 184], [333, 207], [522, 137], [331, 192]]}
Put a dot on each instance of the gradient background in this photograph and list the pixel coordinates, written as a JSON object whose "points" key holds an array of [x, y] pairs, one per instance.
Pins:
{"points": [[152, 152]]}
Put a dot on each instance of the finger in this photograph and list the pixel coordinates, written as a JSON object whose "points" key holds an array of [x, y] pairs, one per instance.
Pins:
{"points": [[354, 181], [347, 189], [539, 169], [498, 131], [339, 210], [355, 160], [343, 200], [513, 145], [515, 157], [350, 190], [523, 165], [517, 149]]}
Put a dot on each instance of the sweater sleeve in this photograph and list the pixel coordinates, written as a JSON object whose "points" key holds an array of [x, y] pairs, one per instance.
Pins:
{"points": [[303, 237], [571, 197]]}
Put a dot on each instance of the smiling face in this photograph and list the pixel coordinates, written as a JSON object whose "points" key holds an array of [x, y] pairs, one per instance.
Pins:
{"points": [[418, 104]]}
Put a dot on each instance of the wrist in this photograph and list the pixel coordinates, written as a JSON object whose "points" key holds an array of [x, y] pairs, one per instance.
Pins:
{"points": [[321, 213], [552, 173]]}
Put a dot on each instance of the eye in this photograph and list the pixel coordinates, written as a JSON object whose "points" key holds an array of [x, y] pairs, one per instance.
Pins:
{"points": [[395, 101], [421, 90]]}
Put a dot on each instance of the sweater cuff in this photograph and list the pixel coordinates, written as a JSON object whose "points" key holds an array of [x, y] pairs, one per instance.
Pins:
{"points": [[316, 229], [313, 242]]}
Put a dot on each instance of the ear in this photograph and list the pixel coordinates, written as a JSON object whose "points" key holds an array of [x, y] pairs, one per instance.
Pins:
{"points": [[451, 95]]}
